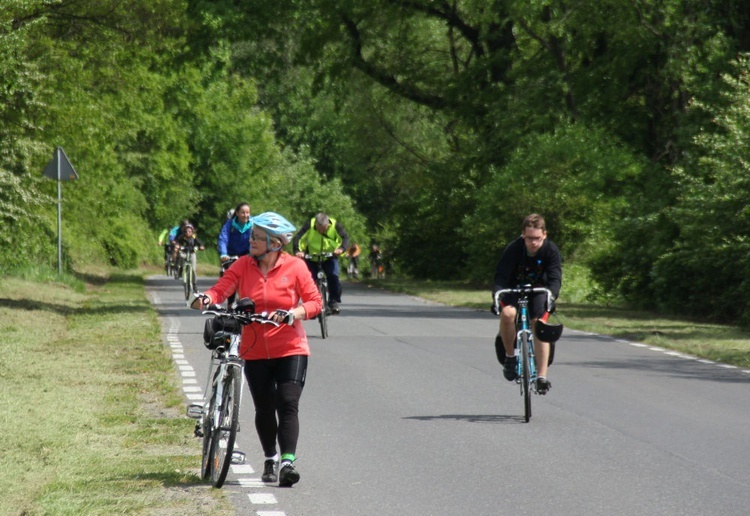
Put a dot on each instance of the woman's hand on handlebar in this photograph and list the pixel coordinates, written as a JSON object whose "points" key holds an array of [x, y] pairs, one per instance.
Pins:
{"points": [[201, 301], [283, 316]]}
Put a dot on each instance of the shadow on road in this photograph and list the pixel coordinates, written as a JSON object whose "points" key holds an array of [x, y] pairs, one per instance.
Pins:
{"points": [[473, 418]]}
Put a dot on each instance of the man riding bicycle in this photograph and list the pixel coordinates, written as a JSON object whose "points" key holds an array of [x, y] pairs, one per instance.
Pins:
{"points": [[533, 260], [321, 235]]}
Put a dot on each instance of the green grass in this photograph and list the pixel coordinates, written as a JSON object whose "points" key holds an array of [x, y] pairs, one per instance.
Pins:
{"points": [[91, 416]]}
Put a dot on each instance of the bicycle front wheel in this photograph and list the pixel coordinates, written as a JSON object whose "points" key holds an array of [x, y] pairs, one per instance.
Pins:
{"points": [[225, 430], [207, 427], [323, 317], [187, 280], [526, 375]]}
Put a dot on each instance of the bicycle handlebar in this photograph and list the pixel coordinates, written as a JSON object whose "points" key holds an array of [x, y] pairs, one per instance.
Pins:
{"points": [[319, 257], [524, 290], [242, 317]]}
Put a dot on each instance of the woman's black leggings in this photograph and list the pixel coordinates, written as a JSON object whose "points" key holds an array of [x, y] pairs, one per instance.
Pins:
{"points": [[276, 386]]}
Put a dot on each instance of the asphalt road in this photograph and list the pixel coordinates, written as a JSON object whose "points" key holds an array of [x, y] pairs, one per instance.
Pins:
{"points": [[405, 412]]}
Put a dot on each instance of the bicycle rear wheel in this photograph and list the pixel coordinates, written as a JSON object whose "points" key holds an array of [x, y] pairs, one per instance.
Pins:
{"points": [[323, 317], [225, 431], [526, 375]]}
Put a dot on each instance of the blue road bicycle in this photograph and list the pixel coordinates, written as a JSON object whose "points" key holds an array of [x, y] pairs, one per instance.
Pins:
{"points": [[524, 345]]}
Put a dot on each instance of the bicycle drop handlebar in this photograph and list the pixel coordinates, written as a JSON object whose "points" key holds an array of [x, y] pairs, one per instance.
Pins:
{"points": [[320, 257], [524, 290]]}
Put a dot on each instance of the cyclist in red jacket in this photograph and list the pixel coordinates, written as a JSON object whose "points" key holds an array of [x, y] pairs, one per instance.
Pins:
{"points": [[275, 357]]}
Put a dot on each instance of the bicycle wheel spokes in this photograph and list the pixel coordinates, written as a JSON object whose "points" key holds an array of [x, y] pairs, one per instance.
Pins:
{"points": [[226, 428]]}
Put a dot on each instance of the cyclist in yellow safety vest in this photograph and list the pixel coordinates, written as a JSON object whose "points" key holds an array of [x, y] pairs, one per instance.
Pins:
{"points": [[322, 235]]}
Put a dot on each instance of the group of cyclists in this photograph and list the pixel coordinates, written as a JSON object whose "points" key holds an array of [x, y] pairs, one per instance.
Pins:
{"points": [[180, 238], [280, 284]]}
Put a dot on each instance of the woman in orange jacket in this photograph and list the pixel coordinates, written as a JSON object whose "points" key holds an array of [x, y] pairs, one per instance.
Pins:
{"points": [[275, 357]]}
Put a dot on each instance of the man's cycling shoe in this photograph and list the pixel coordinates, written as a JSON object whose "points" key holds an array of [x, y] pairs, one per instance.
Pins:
{"points": [[510, 368], [269, 471], [288, 476], [543, 385], [335, 308]]}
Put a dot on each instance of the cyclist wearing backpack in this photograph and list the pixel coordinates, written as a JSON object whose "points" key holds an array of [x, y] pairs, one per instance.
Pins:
{"points": [[533, 260]]}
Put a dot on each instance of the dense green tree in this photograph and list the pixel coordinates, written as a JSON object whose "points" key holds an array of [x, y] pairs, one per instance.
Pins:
{"points": [[578, 178], [706, 270]]}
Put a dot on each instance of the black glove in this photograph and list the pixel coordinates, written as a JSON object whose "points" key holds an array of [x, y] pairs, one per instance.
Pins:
{"points": [[287, 316], [200, 301]]}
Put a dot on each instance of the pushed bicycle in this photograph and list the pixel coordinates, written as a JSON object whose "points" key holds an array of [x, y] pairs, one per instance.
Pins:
{"points": [[322, 281], [526, 368], [218, 416]]}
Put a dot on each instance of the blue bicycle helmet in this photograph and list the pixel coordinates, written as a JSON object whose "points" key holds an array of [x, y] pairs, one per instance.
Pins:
{"points": [[275, 226]]}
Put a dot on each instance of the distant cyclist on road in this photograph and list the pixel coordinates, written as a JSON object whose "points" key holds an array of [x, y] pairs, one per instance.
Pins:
{"points": [[189, 242], [533, 260], [234, 237], [353, 253], [321, 235]]}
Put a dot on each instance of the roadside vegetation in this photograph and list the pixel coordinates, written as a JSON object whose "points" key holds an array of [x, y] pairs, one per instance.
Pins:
{"points": [[92, 417]]}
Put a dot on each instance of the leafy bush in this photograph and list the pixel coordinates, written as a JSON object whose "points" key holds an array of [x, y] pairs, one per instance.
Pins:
{"points": [[576, 177]]}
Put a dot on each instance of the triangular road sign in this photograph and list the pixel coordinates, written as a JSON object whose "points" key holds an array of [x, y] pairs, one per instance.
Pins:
{"points": [[61, 161]]}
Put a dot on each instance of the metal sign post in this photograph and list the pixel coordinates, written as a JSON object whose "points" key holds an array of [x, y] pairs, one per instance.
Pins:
{"points": [[59, 168]]}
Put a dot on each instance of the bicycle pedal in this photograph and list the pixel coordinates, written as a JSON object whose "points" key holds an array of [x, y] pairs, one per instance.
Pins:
{"points": [[195, 411], [238, 457]]}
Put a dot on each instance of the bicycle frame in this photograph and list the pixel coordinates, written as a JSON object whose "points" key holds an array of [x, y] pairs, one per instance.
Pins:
{"points": [[221, 361], [523, 327], [188, 274], [320, 276]]}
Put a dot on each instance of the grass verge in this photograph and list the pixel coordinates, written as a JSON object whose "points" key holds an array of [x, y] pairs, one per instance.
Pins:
{"points": [[722, 343], [92, 417]]}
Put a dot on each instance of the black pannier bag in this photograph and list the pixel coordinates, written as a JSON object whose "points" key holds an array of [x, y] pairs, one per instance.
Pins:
{"points": [[217, 329]]}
